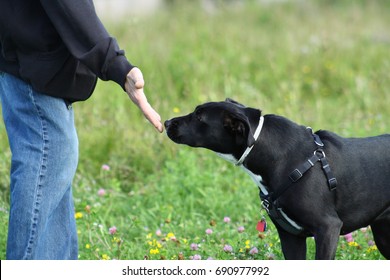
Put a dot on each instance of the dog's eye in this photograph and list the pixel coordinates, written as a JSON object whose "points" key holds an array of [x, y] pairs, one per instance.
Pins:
{"points": [[198, 115]]}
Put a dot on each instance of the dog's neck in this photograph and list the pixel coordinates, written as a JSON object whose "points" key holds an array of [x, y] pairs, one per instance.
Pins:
{"points": [[266, 157], [255, 177]]}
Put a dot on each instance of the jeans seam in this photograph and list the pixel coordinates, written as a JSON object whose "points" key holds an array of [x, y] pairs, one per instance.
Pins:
{"points": [[41, 177]]}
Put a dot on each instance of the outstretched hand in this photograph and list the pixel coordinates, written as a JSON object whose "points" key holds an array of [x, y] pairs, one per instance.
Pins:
{"points": [[135, 89]]}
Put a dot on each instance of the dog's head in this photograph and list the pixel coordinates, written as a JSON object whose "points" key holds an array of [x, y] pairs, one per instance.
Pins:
{"points": [[223, 127]]}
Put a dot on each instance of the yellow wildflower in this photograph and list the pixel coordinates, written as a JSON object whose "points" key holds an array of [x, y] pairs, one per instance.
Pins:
{"points": [[115, 239], [353, 244], [87, 246], [176, 110], [372, 248], [78, 215], [105, 257], [247, 244], [154, 251], [154, 243], [170, 235]]}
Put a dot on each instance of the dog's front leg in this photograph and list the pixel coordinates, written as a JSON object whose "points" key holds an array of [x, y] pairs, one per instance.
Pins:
{"points": [[293, 247], [326, 239]]}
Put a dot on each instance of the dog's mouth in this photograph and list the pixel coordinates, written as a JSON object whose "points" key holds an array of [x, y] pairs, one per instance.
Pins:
{"points": [[176, 131]]}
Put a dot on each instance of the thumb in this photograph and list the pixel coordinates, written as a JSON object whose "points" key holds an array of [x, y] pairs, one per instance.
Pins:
{"points": [[139, 84], [137, 77]]}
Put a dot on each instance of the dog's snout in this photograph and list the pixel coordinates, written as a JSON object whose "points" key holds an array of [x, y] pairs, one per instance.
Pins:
{"points": [[171, 124], [171, 129], [167, 123]]}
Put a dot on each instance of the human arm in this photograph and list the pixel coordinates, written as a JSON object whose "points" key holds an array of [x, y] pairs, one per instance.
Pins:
{"points": [[87, 40]]}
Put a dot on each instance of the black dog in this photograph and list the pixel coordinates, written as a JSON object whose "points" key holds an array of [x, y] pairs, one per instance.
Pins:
{"points": [[319, 185]]}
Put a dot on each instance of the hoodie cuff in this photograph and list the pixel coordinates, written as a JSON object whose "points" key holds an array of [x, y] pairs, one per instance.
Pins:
{"points": [[118, 69]]}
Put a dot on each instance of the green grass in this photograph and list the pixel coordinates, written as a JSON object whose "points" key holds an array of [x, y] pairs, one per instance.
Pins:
{"points": [[324, 64]]}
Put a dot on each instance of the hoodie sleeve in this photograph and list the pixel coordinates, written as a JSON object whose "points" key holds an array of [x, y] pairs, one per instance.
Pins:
{"points": [[87, 39]]}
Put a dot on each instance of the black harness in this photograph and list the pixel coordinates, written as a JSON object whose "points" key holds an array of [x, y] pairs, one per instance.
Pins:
{"points": [[270, 201]]}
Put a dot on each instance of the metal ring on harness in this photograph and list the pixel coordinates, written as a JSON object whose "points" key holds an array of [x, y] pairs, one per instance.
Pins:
{"points": [[321, 152]]}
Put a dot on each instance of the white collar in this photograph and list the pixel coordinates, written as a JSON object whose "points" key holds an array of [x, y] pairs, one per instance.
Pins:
{"points": [[249, 149], [256, 178]]}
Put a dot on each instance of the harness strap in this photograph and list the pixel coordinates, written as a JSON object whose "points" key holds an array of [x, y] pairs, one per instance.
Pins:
{"points": [[297, 174], [319, 155], [280, 218], [332, 182], [269, 201], [303, 168]]}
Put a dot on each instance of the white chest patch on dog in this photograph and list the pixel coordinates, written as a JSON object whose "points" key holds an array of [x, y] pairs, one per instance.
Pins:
{"points": [[256, 178], [228, 157]]}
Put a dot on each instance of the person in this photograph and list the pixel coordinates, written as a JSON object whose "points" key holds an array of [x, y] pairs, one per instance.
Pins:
{"points": [[51, 54]]}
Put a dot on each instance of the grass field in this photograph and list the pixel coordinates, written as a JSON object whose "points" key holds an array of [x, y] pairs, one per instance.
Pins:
{"points": [[323, 64]]}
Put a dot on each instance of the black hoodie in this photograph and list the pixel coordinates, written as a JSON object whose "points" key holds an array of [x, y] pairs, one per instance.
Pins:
{"points": [[60, 47]]}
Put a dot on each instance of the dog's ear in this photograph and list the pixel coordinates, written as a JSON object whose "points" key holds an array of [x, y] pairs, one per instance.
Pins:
{"points": [[238, 124], [234, 102]]}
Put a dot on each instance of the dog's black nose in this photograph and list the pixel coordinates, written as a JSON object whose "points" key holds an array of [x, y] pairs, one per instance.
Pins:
{"points": [[167, 123]]}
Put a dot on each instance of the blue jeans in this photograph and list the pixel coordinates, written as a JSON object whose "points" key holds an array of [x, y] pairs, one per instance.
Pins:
{"points": [[44, 146]]}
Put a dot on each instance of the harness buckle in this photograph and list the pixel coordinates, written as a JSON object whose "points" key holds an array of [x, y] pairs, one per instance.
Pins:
{"points": [[265, 204], [295, 175], [332, 184]]}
